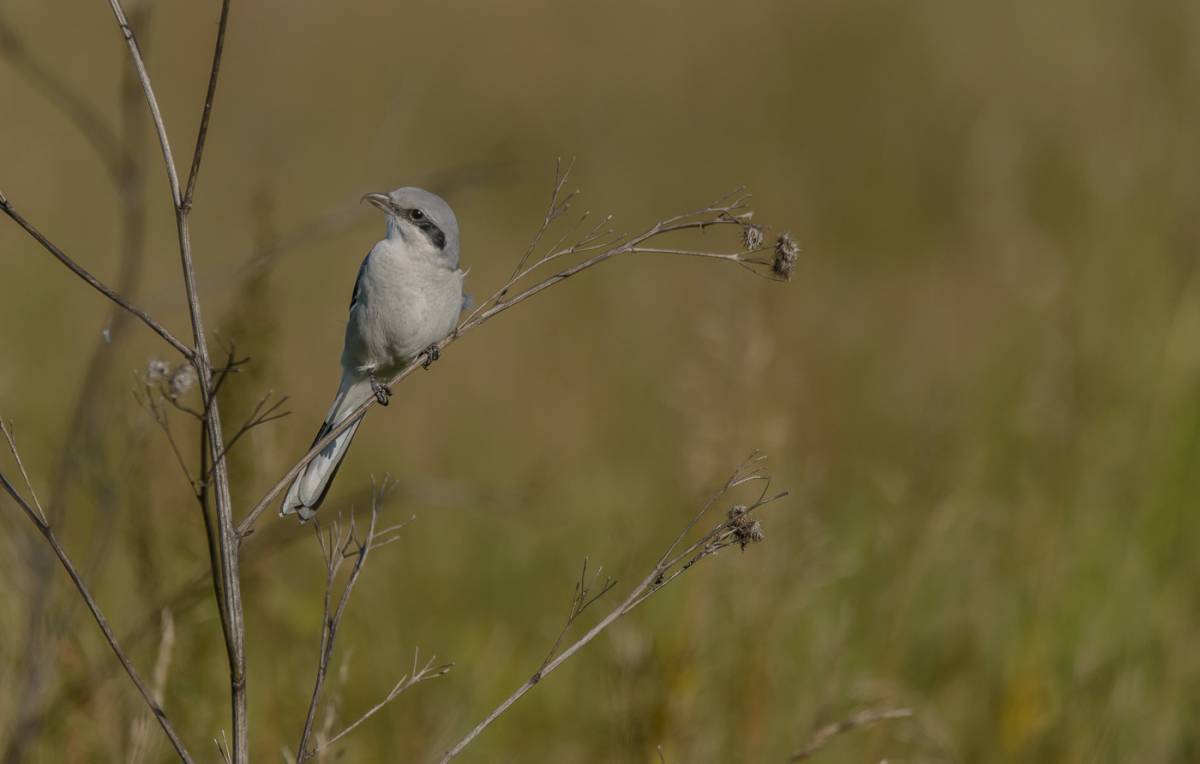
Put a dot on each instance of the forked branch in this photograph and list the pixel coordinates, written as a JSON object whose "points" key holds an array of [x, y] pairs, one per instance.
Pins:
{"points": [[337, 548]]}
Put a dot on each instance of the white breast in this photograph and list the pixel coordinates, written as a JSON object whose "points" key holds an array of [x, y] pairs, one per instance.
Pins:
{"points": [[406, 302]]}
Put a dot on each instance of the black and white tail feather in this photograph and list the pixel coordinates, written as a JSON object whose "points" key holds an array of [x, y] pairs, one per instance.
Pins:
{"points": [[309, 488]]}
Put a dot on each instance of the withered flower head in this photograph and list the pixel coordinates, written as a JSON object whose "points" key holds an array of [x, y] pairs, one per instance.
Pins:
{"points": [[745, 529], [786, 252], [157, 370], [182, 380], [752, 236]]}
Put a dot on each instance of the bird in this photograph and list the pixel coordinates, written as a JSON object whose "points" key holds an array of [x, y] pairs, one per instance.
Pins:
{"points": [[407, 298]]}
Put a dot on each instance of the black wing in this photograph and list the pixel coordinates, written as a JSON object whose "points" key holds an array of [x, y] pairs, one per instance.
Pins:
{"points": [[358, 283]]}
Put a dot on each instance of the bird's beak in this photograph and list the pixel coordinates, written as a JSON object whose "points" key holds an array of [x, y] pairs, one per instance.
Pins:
{"points": [[381, 201]]}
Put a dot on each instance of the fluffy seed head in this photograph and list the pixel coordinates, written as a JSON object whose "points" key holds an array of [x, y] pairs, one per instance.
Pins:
{"points": [[182, 380], [786, 253], [752, 236]]}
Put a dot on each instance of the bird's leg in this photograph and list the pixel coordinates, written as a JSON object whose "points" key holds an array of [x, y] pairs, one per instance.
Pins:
{"points": [[432, 353], [382, 391]]}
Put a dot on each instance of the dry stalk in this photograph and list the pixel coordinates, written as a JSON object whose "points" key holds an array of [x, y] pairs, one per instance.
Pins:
{"points": [[337, 548], [739, 527]]}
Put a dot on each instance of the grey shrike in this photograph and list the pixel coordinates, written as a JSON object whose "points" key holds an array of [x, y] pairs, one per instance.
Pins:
{"points": [[407, 297]]}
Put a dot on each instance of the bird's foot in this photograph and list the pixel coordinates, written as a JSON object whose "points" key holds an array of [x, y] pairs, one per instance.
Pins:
{"points": [[432, 353], [382, 391]]}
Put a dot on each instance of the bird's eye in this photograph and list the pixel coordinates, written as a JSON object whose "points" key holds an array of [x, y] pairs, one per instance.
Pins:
{"points": [[416, 215]]}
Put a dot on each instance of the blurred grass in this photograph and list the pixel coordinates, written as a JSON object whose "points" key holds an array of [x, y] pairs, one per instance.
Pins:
{"points": [[983, 386]]}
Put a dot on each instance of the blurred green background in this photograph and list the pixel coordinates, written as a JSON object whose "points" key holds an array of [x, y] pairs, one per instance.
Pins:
{"points": [[982, 386]]}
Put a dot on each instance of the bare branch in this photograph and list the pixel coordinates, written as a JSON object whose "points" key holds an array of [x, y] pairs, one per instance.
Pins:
{"points": [[861, 719], [226, 536], [737, 526], [194, 173], [258, 416], [558, 206], [95, 283], [155, 114], [579, 602], [336, 550], [12, 446], [428, 671], [48, 533], [80, 690]]}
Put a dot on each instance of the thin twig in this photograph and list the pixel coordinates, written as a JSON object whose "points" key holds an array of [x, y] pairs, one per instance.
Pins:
{"points": [[12, 447], [48, 533], [556, 209], [336, 550], [210, 94], [189, 595], [738, 524], [858, 721], [580, 601], [258, 416], [414, 677], [95, 283]]}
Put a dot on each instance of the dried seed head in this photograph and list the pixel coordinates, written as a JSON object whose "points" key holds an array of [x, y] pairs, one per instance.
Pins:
{"points": [[745, 529], [181, 381], [752, 236], [786, 252], [157, 370]]}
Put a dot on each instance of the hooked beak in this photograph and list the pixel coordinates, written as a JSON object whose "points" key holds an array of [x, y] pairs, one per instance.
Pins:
{"points": [[381, 201]]}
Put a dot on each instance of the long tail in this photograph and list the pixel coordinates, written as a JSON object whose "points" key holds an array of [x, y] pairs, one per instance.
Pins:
{"points": [[308, 490]]}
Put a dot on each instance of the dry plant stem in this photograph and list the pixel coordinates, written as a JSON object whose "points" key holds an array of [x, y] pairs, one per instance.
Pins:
{"points": [[858, 721], [35, 516], [558, 206], [227, 539], [96, 284], [209, 95], [730, 210], [80, 690], [750, 471], [414, 677], [336, 550]]}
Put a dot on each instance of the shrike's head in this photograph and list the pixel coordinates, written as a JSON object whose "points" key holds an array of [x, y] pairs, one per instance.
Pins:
{"points": [[421, 219]]}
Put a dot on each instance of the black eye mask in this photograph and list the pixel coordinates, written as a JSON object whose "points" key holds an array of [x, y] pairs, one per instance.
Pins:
{"points": [[430, 229]]}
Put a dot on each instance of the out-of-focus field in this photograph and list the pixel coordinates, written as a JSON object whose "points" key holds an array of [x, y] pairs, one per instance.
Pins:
{"points": [[982, 385]]}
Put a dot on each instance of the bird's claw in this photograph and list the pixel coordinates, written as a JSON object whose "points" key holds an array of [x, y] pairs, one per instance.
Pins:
{"points": [[382, 392], [432, 353]]}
